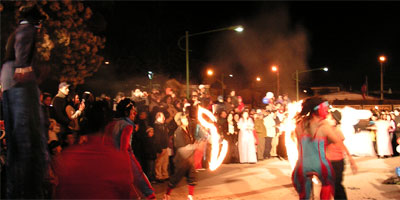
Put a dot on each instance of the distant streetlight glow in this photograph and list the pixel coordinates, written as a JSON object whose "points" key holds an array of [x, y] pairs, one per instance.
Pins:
{"points": [[325, 69], [210, 72], [106, 62], [382, 58], [258, 78], [275, 69], [231, 75], [239, 29]]}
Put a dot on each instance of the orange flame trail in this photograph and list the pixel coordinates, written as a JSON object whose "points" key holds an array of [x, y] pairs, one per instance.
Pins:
{"points": [[288, 126], [215, 160]]}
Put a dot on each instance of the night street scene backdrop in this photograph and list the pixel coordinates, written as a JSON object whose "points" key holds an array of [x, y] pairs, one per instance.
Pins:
{"points": [[347, 37]]}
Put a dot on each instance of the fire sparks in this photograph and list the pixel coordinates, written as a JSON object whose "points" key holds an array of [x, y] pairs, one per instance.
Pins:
{"points": [[217, 157]]}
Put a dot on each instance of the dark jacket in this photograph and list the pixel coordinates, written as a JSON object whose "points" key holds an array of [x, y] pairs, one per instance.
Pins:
{"points": [[160, 136], [222, 126], [138, 138], [150, 149], [183, 144], [59, 105]]}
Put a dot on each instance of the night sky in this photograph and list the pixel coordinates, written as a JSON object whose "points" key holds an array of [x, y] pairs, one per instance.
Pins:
{"points": [[348, 37]]}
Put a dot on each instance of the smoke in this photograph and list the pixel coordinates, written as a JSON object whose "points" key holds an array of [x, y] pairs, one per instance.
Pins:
{"points": [[269, 38]]}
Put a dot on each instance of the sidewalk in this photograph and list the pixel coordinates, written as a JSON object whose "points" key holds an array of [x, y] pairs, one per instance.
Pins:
{"points": [[271, 179]]}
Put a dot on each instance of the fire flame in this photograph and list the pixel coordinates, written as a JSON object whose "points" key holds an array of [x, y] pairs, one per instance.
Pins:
{"points": [[217, 157], [288, 126]]}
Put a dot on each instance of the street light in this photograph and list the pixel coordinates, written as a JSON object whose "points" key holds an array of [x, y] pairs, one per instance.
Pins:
{"points": [[303, 71], [210, 72], [382, 59], [187, 35], [150, 75], [258, 79], [275, 69]]}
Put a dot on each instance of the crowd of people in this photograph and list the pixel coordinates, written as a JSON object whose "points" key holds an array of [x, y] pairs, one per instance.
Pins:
{"points": [[252, 134]]}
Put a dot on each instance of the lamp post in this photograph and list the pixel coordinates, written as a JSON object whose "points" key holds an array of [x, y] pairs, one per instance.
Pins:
{"points": [[297, 78], [187, 35], [275, 69], [381, 60], [150, 75]]}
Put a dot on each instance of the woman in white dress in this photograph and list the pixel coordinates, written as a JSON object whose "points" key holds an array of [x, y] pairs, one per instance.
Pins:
{"points": [[246, 143], [383, 142]]}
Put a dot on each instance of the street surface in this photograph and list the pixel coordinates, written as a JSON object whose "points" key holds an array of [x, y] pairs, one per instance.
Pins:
{"points": [[271, 179]]}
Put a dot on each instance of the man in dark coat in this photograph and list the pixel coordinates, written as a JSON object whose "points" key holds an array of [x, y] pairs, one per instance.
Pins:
{"points": [[161, 139]]}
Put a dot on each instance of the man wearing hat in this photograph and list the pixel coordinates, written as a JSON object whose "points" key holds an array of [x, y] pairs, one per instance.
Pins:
{"points": [[60, 104], [27, 155]]}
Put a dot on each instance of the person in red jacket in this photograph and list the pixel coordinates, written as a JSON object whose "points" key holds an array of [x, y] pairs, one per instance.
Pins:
{"points": [[95, 169]]}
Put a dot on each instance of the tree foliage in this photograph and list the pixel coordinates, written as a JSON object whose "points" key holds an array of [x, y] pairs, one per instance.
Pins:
{"points": [[68, 50]]}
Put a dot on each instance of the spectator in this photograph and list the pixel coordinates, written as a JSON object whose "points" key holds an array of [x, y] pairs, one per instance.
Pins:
{"points": [[269, 124], [240, 106], [247, 141], [219, 106], [150, 155], [60, 113], [234, 98], [161, 139], [139, 135], [228, 104], [68, 139], [260, 129]]}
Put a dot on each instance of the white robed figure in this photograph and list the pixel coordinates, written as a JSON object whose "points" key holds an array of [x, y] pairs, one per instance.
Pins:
{"points": [[246, 141], [383, 140]]}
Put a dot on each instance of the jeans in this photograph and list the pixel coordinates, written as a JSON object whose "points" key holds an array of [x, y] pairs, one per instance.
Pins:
{"points": [[27, 153]]}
